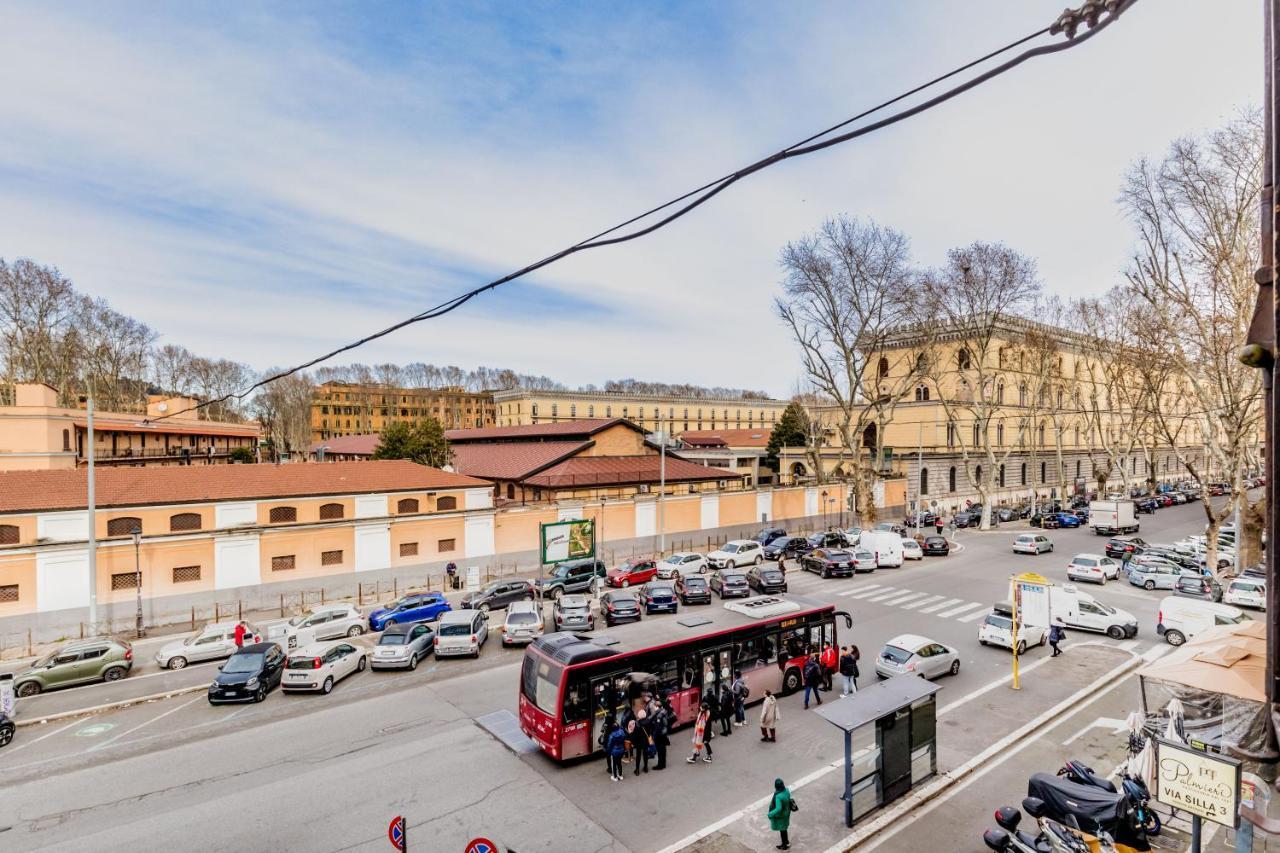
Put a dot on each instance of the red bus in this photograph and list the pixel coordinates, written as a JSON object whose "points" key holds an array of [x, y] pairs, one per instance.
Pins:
{"points": [[570, 684]]}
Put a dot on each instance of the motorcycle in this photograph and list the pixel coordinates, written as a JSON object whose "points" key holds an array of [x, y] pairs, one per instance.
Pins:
{"points": [[1054, 837], [1092, 808], [1131, 786]]}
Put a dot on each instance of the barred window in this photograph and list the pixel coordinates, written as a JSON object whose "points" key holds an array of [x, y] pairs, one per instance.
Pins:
{"points": [[280, 564], [446, 545], [331, 558], [123, 526], [330, 511], [407, 505], [281, 514], [186, 574], [8, 593], [124, 580], [446, 502], [184, 521], [408, 549], [9, 533]]}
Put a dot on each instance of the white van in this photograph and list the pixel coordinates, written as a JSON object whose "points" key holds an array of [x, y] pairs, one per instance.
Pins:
{"points": [[1077, 609], [885, 544], [1246, 592], [1181, 619]]}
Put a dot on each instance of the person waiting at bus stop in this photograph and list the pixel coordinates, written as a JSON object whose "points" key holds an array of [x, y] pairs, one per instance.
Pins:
{"points": [[829, 660], [702, 734], [812, 680]]}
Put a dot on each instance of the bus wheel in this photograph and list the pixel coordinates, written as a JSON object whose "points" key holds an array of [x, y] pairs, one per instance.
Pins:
{"points": [[790, 681]]}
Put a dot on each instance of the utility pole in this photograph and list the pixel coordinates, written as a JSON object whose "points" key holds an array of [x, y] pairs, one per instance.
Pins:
{"points": [[90, 452], [137, 577], [662, 493]]}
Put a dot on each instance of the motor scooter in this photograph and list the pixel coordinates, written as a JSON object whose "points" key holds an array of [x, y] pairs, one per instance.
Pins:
{"points": [[1131, 786], [1054, 837], [1092, 808]]}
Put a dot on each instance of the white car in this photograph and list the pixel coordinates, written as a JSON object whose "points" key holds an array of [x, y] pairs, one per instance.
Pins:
{"points": [[328, 621], [1246, 592], [911, 653], [523, 623], [911, 549], [683, 563], [997, 630], [319, 666], [736, 553], [1032, 543], [864, 560], [214, 641], [1093, 567]]}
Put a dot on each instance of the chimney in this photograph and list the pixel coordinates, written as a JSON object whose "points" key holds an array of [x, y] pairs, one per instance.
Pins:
{"points": [[35, 394]]}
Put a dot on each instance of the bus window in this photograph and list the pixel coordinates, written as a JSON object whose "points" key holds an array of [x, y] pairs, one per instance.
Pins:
{"points": [[668, 676], [753, 652], [540, 683], [577, 701], [794, 641], [769, 647], [689, 671]]}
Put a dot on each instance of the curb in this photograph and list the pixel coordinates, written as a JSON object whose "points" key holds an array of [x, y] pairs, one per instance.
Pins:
{"points": [[109, 706], [917, 798]]}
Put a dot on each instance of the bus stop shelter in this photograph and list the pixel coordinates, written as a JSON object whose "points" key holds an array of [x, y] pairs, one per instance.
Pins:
{"points": [[890, 741]]}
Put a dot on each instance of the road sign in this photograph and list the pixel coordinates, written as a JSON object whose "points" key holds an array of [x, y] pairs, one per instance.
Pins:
{"points": [[481, 845], [396, 833], [1207, 786]]}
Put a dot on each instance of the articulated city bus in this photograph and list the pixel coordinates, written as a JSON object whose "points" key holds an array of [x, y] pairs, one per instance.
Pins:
{"points": [[570, 684]]}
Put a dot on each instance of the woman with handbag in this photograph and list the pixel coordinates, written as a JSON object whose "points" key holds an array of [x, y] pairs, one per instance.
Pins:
{"points": [[702, 734], [780, 808]]}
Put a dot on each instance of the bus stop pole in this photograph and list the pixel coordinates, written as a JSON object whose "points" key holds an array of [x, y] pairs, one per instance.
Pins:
{"points": [[848, 779], [1195, 834]]}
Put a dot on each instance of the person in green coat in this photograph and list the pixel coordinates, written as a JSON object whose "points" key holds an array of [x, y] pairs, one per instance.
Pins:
{"points": [[780, 809]]}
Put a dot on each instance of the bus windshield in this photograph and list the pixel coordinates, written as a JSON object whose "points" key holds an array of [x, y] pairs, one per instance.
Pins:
{"points": [[540, 682]]}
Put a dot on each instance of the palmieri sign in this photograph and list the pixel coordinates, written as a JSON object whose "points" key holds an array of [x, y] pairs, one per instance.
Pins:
{"points": [[1197, 782]]}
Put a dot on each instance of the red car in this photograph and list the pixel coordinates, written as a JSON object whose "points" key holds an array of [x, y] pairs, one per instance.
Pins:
{"points": [[637, 570], [1165, 500]]}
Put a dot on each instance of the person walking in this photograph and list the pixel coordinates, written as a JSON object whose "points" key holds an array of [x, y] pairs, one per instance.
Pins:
{"points": [[740, 695], [727, 702], [937, 523], [615, 745], [828, 660], [848, 672], [702, 734], [812, 680], [662, 723], [1056, 634], [638, 735], [780, 809], [769, 718]]}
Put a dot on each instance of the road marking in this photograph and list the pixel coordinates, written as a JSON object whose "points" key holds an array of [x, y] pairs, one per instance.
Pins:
{"points": [[977, 614], [144, 724], [949, 602], [890, 594], [1129, 645], [26, 743], [947, 614], [895, 601], [913, 605], [1102, 722], [874, 592], [867, 590]]}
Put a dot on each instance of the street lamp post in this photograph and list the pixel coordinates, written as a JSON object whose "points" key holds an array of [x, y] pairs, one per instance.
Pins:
{"points": [[137, 576], [824, 509]]}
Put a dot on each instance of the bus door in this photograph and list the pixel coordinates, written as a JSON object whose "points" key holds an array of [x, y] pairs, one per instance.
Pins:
{"points": [[717, 670], [608, 695], [821, 634]]}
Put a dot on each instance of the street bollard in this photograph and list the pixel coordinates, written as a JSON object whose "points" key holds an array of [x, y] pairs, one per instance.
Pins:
{"points": [[239, 610], [281, 605]]}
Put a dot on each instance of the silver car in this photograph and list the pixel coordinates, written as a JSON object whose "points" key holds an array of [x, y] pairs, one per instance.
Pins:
{"points": [[402, 645], [330, 621], [523, 623], [573, 613], [212, 642], [913, 654]]}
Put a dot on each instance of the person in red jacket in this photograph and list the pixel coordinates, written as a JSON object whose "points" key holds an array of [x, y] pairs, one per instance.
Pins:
{"points": [[828, 659], [241, 630]]}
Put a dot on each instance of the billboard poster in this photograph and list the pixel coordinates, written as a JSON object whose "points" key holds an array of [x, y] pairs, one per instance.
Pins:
{"points": [[568, 540]]}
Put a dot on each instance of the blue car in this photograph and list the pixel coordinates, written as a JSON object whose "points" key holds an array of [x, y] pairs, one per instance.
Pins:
{"points": [[1067, 519], [410, 607]]}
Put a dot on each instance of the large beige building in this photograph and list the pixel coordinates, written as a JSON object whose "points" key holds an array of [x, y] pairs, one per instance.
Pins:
{"points": [[653, 412], [342, 408]]}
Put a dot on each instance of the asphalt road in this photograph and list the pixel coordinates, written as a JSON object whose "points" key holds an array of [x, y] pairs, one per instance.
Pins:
{"points": [[327, 773]]}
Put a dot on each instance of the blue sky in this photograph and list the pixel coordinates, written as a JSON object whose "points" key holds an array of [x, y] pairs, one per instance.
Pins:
{"points": [[263, 182]]}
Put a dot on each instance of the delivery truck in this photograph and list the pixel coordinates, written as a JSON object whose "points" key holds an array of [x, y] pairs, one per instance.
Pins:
{"points": [[1109, 518]]}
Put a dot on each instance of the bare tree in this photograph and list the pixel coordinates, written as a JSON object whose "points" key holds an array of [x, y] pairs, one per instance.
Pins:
{"points": [[284, 410]]}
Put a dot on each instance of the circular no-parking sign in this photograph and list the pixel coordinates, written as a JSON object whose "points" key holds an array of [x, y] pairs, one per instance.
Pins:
{"points": [[395, 832], [481, 845]]}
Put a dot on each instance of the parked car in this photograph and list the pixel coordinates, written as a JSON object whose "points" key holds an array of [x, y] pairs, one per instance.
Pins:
{"points": [[1121, 545], [996, 629], [936, 546], [76, 662], [659, 597], [966, 518], [1007, 514], [1032, 543], [864, 560], [911, 653], [693, 590], [462, 632], [248, 675], [832, 539], [766, 579], [573, 612], [1197, 585], [319, 666], [1246, 592], [633, 572], [885, 545], [619, 606], [498, 595], [523, 623], [585, 575], [830, 562], [923, 518], [1180, 619], [7, 728], [1167, 552], [1045, 520], [736, 553], [769, 534], [402, 645], [911, 549], [1145, 506], [1067, 519], [682, 563], [890, 527], [329, 621], [410, 607], [1092, 567], [730, 583], [789, 547], [212, 642], [1152, 573]]}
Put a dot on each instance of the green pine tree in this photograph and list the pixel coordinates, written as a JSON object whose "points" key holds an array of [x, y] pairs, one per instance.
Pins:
{"points": [[791, 430], [422, 442]]}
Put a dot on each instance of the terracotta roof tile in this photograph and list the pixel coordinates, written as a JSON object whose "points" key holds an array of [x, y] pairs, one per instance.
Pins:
{"points": [[356, 445], [529, 432], [617, 470], [29, 491], [513, 460], [727, 437]]}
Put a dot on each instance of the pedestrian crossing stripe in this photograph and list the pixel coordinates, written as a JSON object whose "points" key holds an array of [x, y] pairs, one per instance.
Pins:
{"points": [[864, 593], [913, 605], [977, 614], [899, 601], [890, 594], [947, 614], [948, 603]]}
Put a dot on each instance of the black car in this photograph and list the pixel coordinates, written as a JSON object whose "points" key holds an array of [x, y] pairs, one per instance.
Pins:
{"points": [[766, 579], [1185, 561], [935, 546], [497, 595], [573, 576], [1121, 545], [1146, 505], [788, 546], [1198, 586], [7, 728], [1046, 520], [693, 590], [769, 534], [924, 518], [659, 597], [248, 675], [829, 539], [1006, 513], [828, 562], [730, 583], [964, 519], [619, 605]]}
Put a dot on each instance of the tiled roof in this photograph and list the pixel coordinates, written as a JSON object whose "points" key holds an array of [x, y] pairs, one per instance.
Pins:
{"points": [[726, 437], [172, 426], [29, 491], [352, 445], [619, 470], [532, 432], [514, 460]]}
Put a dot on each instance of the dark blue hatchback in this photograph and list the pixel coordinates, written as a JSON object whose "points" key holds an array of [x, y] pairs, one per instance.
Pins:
{"points": [[410, 607]]}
